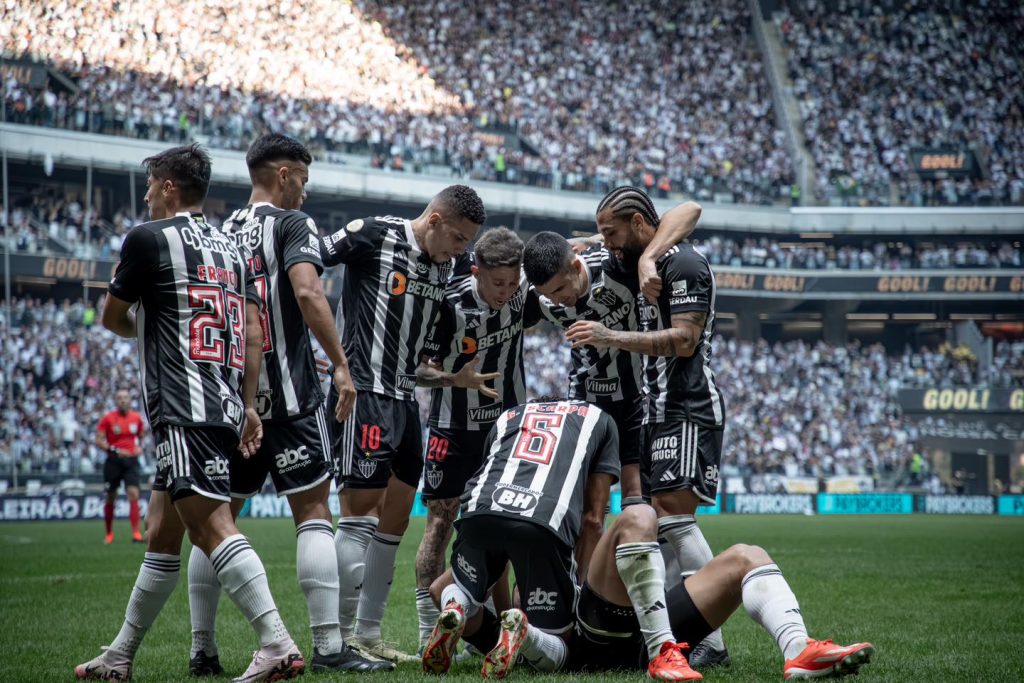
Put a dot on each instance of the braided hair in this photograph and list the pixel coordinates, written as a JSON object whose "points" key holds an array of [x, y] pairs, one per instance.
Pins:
{"points": [[626, 200]]}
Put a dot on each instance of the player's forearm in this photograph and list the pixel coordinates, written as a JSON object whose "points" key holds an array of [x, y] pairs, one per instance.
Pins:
{"points": [[122, 326], [253, 354], [665, 343], [317, 314], [432, 377], [676, 225]]}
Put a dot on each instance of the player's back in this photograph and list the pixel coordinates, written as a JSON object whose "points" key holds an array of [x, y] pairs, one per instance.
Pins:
{"points": [[190, 280], [539, 458], [273, 240]]}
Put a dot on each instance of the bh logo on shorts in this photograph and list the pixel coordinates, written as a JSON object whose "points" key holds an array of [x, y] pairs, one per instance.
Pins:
{"points": [[542, 599]]}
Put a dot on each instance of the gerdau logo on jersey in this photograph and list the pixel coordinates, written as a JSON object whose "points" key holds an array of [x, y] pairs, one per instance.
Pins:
{"points": [[515, 499], [290, 456]]}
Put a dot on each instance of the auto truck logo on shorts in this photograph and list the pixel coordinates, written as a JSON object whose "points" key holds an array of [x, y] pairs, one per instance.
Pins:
{"points": [[515, 499]]}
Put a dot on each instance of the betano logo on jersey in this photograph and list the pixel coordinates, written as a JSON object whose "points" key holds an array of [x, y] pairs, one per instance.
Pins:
{"points": [[515, 499], [501, 336], [399, 284]]}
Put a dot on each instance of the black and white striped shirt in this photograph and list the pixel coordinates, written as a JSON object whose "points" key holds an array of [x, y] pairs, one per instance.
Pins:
{"points": [[191, 285], [539, 456], [469, 328], [602, 375], [392, 297], [682, 388], [273, 240]]}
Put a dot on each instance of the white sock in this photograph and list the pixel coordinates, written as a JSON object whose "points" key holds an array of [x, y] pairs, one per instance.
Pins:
{"points": [[317, 566], [770, 602], [543, 651], [203, 597], [377, 577], [241, 573], [643, 573], [427, 614], [453, 592], [693, 552], [673, 573], [157, 578], [350, 544]]}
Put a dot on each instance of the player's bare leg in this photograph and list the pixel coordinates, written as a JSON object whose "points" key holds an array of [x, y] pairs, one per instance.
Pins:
{"points": [[678, 526], [629, 481], [430, 563], [746, 574], [380, 570]]}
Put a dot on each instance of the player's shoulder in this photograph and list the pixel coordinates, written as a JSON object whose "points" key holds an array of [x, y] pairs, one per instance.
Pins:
{"points": [[594, 257], [683, 254]]}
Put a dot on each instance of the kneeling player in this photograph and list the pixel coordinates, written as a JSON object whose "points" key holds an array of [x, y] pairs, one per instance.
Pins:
{"points": [[624, 617]]}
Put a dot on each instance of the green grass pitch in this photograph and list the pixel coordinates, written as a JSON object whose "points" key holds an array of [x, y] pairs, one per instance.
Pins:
{"points": [[942, 598]]}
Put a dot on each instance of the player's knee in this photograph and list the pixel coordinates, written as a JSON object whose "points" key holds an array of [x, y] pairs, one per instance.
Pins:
{"points": [[748, 557], [636, 524]]}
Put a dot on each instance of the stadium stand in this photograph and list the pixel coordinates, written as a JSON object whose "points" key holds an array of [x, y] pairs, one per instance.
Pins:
{"points": [[806, 409], [556, 83], [876, 79]]}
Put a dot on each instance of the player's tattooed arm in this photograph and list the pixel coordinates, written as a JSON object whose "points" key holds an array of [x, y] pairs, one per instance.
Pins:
{"points": [[429, 374], [679, 340], [677, 224], [441, 516]]}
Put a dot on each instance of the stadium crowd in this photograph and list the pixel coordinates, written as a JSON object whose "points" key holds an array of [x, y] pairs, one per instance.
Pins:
{"points": [[876, 79], [806, 409], [553, 74]]}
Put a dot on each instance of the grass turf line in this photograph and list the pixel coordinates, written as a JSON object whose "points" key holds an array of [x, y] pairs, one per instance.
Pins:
{"points": [[940, 597]]}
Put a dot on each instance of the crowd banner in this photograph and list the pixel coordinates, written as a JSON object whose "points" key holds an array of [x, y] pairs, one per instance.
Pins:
{"points": [[865, 503], [853, 483], [770, 503], [956, 505]]}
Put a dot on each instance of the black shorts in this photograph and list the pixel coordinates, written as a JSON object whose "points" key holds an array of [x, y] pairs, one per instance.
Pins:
{"points": [[117, 469], [608, 636], [679, 455], [453, 457], [544, 566], [628, 416], [381, 437], [296, 454], [191, 460]]}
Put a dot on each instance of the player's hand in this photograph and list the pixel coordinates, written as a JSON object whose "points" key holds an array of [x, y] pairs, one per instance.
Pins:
{"points": [[650, 282], [469, 378], [581, 244], [323, 363], [252, 433], [346, 393], [589, 333]]}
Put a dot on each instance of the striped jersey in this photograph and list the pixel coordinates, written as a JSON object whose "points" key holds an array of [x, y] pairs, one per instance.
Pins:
{"points": [[602, 375], [273, 240], [539, 456], [469, 328], [191, 284], [682, 388], [392, 297]]}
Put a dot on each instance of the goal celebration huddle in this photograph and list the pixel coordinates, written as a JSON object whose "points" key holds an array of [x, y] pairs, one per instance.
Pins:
{"points": [[534, 578]]}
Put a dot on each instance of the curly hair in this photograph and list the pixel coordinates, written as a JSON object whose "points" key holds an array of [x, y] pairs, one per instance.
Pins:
{"points": [[462, 201], [499, 247]]}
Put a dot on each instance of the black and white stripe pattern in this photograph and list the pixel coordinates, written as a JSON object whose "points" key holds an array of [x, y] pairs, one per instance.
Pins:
{"points": [[227, 551], [760, 573], [346, 447], [688, 455], [160, 563], [320, 526], [607, 374]]}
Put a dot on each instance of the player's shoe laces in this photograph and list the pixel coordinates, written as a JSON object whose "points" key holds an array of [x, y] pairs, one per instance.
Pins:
{"points": [[205, 665], [347, 659], [706, 657], [440, 647], [825, 658], [671, 664], [499, 661], [111, 665], [109, 538], [270, 667]]}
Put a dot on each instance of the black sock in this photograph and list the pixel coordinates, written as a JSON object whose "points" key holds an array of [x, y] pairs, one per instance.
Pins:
{"points": [[486, 637]]}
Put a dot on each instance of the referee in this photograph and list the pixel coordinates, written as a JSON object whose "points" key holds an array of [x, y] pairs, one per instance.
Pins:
{"points": [[119, 433]]}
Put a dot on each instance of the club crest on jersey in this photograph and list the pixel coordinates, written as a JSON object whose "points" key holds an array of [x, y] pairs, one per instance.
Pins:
{"points": [[605, 296], [516, 302], [367, 467], [434, 478]]}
